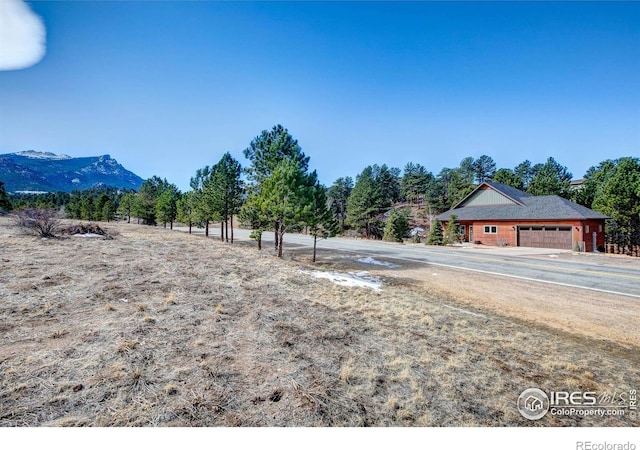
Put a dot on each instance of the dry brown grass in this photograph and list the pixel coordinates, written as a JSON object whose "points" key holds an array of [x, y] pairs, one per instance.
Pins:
{"points": [[246, 340]]}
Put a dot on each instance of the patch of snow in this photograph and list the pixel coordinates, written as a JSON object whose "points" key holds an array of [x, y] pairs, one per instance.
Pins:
{"points": [[553, 256], [351, 279], [464, 311], [370, 260], [88, 235], [41, 155]]}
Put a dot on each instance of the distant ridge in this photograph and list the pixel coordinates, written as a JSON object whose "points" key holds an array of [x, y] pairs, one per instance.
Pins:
{"points": [[47, 172]]}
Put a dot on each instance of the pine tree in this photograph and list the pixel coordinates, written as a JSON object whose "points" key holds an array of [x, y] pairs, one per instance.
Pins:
{"points": [[397, 227], [203, 211], [619, 198], [147, 198], [435, 234], [284, 195], [508, 177], [364, 203], [186, 210], [318, 218], [166, 205], [551, 178], [254, 216], [484, 168], [5, 202], [126, 205], [337, 197], [266, 152], [452, 232], [224, 191]]}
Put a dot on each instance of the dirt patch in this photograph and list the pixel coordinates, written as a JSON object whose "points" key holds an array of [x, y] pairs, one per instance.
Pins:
{"points": [[159, 328]]}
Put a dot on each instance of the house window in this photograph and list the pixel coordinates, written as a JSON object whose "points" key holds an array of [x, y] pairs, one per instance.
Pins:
{"points": [[600, 228], [462, 230], [586, 228], [490, 229]]}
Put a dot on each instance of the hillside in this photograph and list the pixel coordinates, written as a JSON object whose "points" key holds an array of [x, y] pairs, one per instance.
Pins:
{"points": [[48, 172], [161, 328]]}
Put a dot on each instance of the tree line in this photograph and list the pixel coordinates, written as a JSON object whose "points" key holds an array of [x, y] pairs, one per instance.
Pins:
{"points": [[277, 192]]}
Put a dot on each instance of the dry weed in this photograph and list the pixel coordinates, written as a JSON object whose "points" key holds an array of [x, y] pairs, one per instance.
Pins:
{"points": [[251, 343]]}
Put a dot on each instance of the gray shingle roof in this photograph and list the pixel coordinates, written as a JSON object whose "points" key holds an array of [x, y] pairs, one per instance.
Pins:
{"points": [[509, 191], [544, 207]]}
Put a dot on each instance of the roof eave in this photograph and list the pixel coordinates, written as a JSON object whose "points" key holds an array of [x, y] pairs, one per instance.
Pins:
{"points": [[490, 187]]}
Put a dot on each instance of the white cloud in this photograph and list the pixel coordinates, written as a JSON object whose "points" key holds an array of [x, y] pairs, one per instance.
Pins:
{"points": [[22, 36]]}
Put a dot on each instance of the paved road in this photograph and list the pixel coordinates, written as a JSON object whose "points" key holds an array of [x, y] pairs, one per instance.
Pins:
{"points": [[598, 273]]}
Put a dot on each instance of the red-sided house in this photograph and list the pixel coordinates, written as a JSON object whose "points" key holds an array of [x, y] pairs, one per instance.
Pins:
{"points": [[498, 214]]}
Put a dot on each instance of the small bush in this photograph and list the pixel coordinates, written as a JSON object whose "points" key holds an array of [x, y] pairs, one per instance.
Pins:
{"points": [[397, 227], [41, 222], [435, 234]]}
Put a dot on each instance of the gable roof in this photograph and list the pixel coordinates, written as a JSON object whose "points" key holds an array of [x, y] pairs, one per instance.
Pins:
{"points": [[523, 206], [508, 193]]}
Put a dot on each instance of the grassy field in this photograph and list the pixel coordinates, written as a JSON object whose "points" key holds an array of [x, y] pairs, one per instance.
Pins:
{"points": [[159, 328]]}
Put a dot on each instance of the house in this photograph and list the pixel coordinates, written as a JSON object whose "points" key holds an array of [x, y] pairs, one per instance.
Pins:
{"points": [[498, 214], [533, 403]]}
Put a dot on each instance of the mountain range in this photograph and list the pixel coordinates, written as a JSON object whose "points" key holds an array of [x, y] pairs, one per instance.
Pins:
{"points": [[32, 171]]}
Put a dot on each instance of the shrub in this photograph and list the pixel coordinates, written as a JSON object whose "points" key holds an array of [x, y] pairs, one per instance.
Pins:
{"points": [[397, 227], [41, 222], [452, 232], [435, 234]]}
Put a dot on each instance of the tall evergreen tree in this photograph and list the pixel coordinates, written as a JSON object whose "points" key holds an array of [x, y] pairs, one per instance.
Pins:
{"points": [[337, 197], [203, 211], [388, 181], [87, 209], [484, 168], [5, 202], [126, 205], [187, 210], [594, 180], [551, 178], [147, 197], [225, 191], [364, 204], [619, 198], [415, 182], [284, 196], [453, 187], [318, 218], [525, 171], [467, 170], [267, 151], [167, 205], [508, 177]]}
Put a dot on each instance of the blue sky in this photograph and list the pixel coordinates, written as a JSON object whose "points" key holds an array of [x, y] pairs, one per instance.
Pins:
{"points": [[168, 87]]}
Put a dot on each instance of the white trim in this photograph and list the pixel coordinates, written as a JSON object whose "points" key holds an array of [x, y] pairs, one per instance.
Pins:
{"points": [[490, 227]]}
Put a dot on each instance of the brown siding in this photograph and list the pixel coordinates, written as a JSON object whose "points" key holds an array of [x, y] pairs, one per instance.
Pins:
{"points": [[596, 226], [508, 232]]}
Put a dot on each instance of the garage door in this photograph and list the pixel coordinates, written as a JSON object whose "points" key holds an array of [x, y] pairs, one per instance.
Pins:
{"points": [[545, 237]]}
